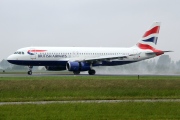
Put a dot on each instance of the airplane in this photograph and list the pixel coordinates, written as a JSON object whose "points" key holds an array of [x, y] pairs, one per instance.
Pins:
{"points": [[78, 59]]}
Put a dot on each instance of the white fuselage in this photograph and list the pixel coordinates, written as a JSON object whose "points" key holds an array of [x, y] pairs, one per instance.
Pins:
{"points": [[50, 56], [77, 59]]}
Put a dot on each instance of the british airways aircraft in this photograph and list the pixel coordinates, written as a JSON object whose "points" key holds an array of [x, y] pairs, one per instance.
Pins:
{"points": [[77, 59]]}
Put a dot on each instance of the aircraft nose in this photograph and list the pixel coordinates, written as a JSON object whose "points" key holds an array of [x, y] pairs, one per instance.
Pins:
{"points": [[10, 58]]}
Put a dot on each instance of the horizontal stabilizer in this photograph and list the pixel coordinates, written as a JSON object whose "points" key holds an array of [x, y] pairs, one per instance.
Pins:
{"points": [[158, 52]]}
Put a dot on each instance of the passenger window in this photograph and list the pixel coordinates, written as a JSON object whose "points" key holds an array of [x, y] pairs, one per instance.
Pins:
{"points": [[23, 53]]}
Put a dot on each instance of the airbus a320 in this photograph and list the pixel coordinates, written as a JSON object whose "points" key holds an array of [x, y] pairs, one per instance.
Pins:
{"points": [[78, 59]]}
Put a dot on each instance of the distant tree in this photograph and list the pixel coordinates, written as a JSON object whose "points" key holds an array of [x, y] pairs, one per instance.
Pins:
{"points": [[5, 64], [163, 64], [43, 68], [177, 66], [19, 67], [151, 66]]}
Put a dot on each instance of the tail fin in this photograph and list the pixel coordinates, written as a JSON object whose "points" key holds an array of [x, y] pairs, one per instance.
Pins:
{"points": [[150, 37], [149, 40]]}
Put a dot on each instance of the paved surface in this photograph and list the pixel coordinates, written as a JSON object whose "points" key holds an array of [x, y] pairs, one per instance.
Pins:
{"points": [[91, 101], [60, 74]]}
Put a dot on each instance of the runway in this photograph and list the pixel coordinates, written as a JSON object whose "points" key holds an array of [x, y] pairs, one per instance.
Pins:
{"points": [[70, 74], [91, 101]]}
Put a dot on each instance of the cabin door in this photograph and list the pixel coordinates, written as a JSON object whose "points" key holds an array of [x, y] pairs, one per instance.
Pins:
{"points": [[75, 54]]}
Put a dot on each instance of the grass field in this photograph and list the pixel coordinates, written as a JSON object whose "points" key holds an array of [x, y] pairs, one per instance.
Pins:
{"points": [[91, 111], [88, 88]]}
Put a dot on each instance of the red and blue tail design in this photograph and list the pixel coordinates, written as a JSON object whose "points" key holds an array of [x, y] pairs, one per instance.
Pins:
{"points": [[150, 37]]}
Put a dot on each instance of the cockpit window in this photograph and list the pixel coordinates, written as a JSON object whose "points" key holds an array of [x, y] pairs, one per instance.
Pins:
{"points": [[19, 52]]}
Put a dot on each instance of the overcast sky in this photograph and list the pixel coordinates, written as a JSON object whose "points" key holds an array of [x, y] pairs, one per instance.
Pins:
{"points": [[92, 23]]}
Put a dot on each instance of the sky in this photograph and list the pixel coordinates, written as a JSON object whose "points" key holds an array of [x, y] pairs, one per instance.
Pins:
{"points": [[87, 23]]}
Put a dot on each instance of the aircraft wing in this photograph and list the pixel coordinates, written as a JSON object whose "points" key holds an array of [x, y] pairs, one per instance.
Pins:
{"points": [[103, 58]]}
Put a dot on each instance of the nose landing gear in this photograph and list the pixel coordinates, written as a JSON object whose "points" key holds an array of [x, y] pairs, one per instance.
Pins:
{"points": [[30, 70]]}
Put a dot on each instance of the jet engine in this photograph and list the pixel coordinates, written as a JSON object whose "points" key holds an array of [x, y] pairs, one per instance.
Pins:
{"points": [[78, 66]]}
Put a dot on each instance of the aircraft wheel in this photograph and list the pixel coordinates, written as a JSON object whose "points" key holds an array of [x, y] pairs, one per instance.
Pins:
{"points": [[29, 72], [76, 72], [92, 72]]}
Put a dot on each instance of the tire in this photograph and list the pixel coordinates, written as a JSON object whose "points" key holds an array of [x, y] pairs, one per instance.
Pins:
{"points": [[92, 72], [76, 72], [29, 72]]}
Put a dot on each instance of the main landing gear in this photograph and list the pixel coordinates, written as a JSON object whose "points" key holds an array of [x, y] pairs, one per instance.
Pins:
{"points": [[30, 70], [76, 72], [92, 72]]}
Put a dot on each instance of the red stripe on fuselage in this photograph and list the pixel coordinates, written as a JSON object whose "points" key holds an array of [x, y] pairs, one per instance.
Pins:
{"points": [[148, 47], [152, 31]]}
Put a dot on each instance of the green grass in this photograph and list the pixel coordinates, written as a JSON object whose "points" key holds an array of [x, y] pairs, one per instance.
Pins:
{"points": [[91, 111], [88, 88], [76, 77]]}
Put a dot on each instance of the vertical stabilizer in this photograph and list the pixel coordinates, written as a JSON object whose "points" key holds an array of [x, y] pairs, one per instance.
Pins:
{"points": [[150, 37]]}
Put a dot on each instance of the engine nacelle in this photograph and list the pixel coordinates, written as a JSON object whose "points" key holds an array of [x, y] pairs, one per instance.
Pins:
{"points": [[78, 66], [55, 68]]}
